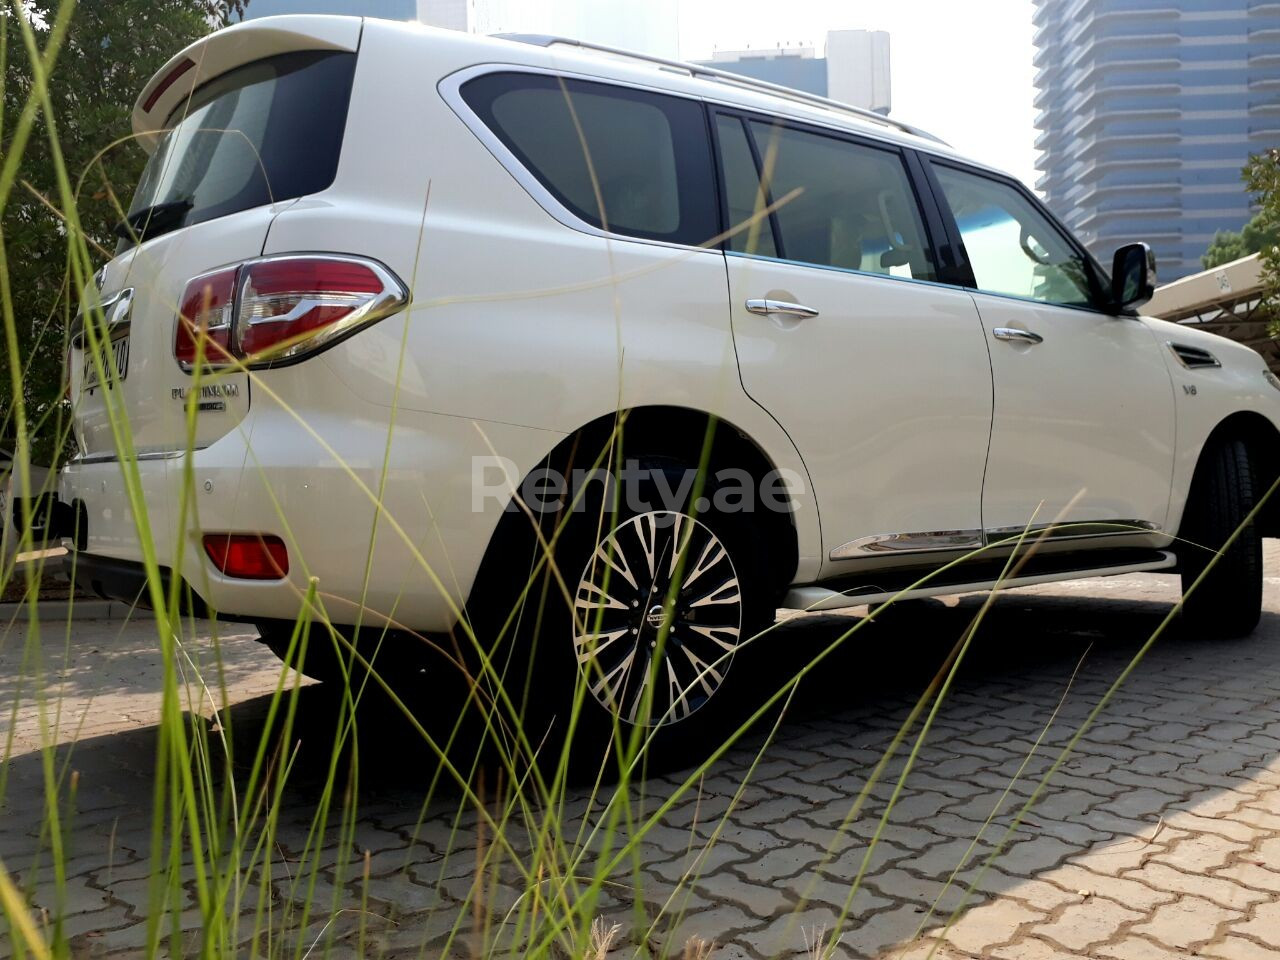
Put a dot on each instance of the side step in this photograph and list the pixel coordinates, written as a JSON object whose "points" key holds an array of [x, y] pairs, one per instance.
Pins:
{"points": [[965, 579]]}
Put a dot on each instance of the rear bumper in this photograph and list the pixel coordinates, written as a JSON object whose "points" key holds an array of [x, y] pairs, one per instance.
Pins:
{"points": [[407, 558], [124, 580]]}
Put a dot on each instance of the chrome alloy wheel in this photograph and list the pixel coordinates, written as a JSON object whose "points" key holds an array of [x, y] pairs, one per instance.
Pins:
{"points": [[632, 648]]}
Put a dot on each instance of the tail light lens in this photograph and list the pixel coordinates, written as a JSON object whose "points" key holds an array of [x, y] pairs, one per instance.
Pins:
{"points": [[281, 309], [204, 320], [248, 556]]}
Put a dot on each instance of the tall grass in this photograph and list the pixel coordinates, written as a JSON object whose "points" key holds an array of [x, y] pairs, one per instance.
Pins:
{"points": [[548, 851]]}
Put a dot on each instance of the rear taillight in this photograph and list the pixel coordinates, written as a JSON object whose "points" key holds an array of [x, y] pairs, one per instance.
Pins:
{"points": [[248, 556], [281, 309], [204, 320]]}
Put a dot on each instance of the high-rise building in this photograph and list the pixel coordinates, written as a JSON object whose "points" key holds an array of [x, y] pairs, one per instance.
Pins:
{"points": [[1148, 111], [855, 69]]}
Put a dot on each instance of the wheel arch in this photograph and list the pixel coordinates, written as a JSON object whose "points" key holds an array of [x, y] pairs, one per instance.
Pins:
{"points": [[1263, 442], [662, 430]]}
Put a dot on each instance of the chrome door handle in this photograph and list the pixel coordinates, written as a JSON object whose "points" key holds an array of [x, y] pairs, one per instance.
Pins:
{"points": [[767, 308], [1016, 335]]}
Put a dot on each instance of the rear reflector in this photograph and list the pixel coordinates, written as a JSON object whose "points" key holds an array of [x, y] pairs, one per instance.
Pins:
{"points": [[170, 78], [280, 309], [248, 556]]}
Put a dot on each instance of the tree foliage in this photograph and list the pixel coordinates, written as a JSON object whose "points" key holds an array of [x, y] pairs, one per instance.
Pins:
{"points": [[111, 49], [1228, 245], [1262, 176]]}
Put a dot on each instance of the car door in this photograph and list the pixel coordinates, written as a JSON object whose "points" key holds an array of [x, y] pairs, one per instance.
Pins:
{"points": [[878, 372], [1083, 426]]}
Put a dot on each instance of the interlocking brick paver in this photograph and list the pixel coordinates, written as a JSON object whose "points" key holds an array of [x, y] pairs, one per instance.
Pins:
{"points": [[1092, 920], [1263, 925], [1238, 948], [1200, 852], [1139, 948], [1158, 838], [990, 924], [1185, 922], [1219, 889]]}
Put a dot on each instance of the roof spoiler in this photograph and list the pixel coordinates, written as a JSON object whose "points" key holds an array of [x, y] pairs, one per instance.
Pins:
{"points": [[227, 49]]}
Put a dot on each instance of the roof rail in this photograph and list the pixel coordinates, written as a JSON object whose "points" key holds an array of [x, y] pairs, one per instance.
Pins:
{"points": [[723, 76]]}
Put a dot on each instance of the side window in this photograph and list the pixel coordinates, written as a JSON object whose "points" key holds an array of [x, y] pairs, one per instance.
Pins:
{"points": [[750, 230], [843, 204], [1013, 248], [623, 160]]}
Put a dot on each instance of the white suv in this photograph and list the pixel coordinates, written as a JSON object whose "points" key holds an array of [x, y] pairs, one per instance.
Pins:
{"points": [[441, 306]]}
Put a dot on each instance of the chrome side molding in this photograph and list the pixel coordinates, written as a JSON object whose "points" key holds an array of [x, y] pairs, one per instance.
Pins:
{"points": [[898, 543], [895, 544], [1073, 529]]}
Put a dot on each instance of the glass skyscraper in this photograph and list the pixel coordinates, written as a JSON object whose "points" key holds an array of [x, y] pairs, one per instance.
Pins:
{"points": [[1148, 110]]}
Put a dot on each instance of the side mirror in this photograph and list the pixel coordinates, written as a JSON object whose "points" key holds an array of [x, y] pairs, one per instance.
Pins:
{"points": [[1133, 276]]}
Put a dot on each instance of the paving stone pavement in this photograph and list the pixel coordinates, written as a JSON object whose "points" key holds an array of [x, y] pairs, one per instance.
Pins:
{"points": [[1159, 837]]}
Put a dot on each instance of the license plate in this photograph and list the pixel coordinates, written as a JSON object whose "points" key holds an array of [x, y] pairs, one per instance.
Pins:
{"points": [[118, 356]]}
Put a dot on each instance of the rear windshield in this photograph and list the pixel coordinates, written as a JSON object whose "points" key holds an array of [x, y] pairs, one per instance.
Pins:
{"points": [[268, 131]]}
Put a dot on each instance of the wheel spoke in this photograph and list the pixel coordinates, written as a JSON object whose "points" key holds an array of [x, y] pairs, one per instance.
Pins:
{"points": [[727, 592], [593, 597], [703, 672], [591, 645], [604, 681], [677, 696], [728, 643], [712, 554], [612, 554]]}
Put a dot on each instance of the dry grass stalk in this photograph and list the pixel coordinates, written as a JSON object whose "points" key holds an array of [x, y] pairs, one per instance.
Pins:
{"points": [[602, 938]]}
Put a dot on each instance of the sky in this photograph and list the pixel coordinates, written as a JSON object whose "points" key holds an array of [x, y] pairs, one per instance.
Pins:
{"points": [[961, 70]]}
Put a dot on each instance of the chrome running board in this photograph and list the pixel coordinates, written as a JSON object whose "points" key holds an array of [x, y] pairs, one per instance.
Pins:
{"points": [[817, 597]]}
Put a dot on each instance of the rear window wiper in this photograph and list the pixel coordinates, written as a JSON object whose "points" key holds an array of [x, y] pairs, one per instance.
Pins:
{"points": [[159, 217]]}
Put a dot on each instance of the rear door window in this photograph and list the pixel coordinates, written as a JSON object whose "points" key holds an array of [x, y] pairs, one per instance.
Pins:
{"points": [[750, 229], [268, 131], [623, 160], [840, 203]]}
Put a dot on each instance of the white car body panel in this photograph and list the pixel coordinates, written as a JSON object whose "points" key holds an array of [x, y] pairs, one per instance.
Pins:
{"points": [[1084, 422], [890, 447], [526, 325]]}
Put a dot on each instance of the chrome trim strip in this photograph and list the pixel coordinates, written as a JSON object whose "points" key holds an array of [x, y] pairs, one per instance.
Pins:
{"points": [[92, 458], [818, 597], [1074, 530], [115, 318], [899, 543], [935, 541]]}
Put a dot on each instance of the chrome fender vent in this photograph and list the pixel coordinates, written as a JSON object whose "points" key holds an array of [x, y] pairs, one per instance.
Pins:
{"points": [[1193, 357]]}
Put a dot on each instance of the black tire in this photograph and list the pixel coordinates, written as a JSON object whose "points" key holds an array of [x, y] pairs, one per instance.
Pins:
{"points": [[551, 667], [1228, 602]]}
